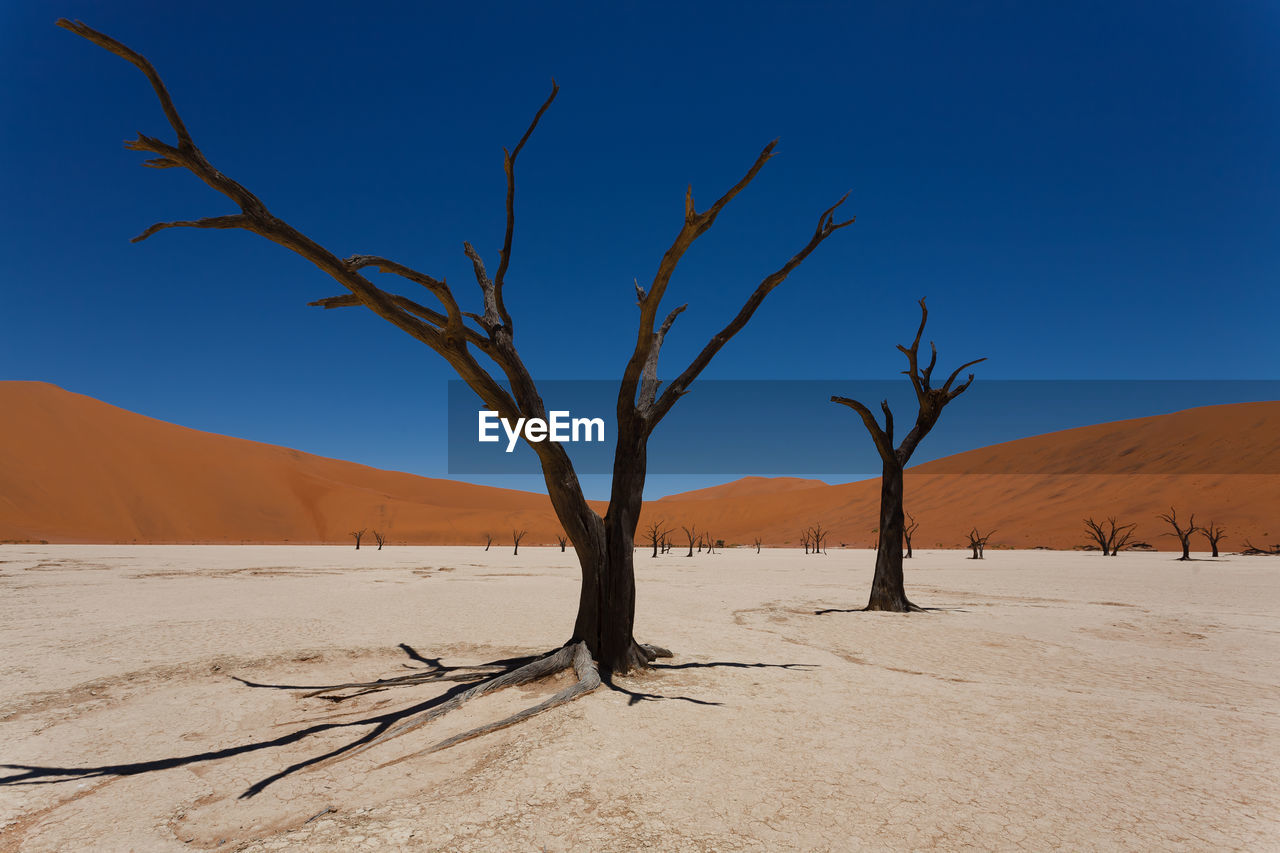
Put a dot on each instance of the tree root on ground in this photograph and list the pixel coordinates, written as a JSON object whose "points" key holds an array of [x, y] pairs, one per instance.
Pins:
{"points": [[574, 655]]}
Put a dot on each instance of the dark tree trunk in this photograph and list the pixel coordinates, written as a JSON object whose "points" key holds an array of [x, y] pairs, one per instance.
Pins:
{"points": [[607, 605], [1215, 548], [1186, 549], [887, 592]]}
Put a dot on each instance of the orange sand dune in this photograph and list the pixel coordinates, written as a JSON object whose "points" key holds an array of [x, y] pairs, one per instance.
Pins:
{"points": [[1042, 509], [73, 469]]}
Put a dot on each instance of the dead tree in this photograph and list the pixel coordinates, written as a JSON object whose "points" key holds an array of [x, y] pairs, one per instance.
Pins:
{"points": [[380, 538], [909, 530], [516, 536], [357, 535], [563, 540], [692, 534], [1214, 534], [1251, 550], [887, 591], [657, 533], [709, 542], [602, 637], [488, 540], [757, 544], [1183, 534], [805, 539], [817, 538], [1110, 537], [978, 543]]}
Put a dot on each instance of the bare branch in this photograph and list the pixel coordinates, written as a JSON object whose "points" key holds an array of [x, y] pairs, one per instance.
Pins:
{"points": [[695, 225], [509, 166], [166, 103], [883, 440], [234, 221], [649, 381], [826, 227], [492, 319], [952, 378]]}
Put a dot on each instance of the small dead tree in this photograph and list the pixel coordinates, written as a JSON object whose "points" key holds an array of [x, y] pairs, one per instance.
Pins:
{"points": [[978, 543], [909, 530], [516, 536], [1111, 537], [488, 540], [380, 538], [1251, 550], [1183, 534], [710, 542], [563, 540], [756, 542], [887, 590], [1214, 534], [692, 534], [818, 537], [805, 539], [657, 532], [357, 535]]}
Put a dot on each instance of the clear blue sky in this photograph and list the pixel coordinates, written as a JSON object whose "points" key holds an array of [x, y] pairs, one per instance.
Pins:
{"points": [[1083, 190]]}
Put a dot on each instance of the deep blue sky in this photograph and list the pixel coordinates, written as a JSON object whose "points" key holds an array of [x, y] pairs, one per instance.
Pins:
{"points": [[1083, 190]]}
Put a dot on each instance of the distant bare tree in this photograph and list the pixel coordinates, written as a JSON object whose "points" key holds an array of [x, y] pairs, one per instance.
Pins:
{"points": [[357, 535], [657, 533], [978, 543], [1111, 537], [805, 538], [1183, 534], [380, 538], [516, 536], [563, 540], [909, 530], [710, 542], [488, 540], [1252, 550], [887, 591], [757, 544], [1214, 534], [818, 537], [692, 533]]}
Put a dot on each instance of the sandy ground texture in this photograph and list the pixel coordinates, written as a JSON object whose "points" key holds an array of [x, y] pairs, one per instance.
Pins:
{"points": [[1053, 701]]}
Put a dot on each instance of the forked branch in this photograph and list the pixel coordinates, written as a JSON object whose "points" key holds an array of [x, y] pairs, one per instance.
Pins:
{"points": [[827, 225]]}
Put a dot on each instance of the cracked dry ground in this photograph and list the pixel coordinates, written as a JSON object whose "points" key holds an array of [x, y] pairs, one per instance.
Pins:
{"points": [[1053, 701]]}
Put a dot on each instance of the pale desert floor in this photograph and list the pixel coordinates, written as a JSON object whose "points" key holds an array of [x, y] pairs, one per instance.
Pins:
{"points": [[1055, 701]]}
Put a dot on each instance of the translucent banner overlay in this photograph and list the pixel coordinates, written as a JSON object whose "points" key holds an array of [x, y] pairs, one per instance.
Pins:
{"points": [[790, 428]]}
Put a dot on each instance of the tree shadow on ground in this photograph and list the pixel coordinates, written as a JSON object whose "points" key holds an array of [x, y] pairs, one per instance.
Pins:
{"points": [[917, 609], [636, 696], [431, 670]]}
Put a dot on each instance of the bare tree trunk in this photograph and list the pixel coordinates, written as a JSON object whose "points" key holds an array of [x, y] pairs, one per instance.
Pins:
{"points": [[607, 606], [887, 591]]}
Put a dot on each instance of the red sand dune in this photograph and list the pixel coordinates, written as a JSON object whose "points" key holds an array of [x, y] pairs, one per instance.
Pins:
{"points": [[74, 469]]}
